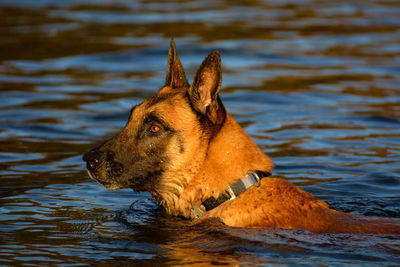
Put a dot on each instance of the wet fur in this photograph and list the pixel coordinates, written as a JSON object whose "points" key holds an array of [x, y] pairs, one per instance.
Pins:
{"points": [[199, 150]]}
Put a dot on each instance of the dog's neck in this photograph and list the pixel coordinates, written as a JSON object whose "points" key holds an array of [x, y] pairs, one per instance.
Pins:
{"points": [[232, 144], [217, 172]]}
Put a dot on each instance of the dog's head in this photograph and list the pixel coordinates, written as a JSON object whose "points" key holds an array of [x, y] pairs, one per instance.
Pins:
{"points": [[166, 137]]}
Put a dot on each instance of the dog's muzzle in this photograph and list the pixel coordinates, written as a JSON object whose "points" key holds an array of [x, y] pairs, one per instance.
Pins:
{"points": [[94, 158], [102, 167]]}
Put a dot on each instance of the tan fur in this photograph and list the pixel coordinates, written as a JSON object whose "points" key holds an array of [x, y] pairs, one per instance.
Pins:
{"points": [[279, 204], [204, 162], [207, 169]]}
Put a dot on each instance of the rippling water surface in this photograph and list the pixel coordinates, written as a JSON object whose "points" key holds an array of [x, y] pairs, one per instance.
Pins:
{"points": [[315, 83]]}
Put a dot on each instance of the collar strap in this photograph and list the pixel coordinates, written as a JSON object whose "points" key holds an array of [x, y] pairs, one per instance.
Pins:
{"points": [[234, 190]]}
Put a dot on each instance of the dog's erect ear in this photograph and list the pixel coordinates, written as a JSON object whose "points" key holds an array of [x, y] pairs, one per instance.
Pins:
{"points": [[176, 77], [204, 91]]}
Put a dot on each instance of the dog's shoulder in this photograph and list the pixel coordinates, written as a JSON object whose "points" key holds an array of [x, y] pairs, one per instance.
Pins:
{"points": [[275, 203]]}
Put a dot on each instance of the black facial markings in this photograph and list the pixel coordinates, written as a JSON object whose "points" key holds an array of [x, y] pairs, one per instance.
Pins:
{"points": [[181, 144], [139, 161], [145, 181], [113, 168], [160, 98], [157, 99], [152, 119], [142, 158], [136, 165]]}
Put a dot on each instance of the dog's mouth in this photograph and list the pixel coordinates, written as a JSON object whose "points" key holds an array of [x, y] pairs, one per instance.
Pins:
{"points": [[102, 168], [112, 173], [107, 185], [91, 176]]}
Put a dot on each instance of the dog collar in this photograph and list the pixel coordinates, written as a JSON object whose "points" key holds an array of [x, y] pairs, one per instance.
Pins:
{"points": [[234, 190]]}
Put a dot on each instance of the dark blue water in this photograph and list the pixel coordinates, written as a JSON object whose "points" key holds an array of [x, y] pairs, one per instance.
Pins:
{"points": [[315, 83]]}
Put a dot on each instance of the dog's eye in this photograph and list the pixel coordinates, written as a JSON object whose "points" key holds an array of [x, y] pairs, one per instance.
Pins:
{"points": [[154, 129]]}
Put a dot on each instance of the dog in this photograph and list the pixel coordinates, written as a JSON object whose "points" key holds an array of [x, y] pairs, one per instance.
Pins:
{"points": [[184, 148]]}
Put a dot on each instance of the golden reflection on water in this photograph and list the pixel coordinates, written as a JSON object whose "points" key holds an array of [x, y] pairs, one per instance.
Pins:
{"points": [[315, 83]]}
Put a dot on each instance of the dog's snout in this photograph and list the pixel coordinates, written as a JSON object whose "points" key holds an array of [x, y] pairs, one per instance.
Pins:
{"points": [[93, 159]]}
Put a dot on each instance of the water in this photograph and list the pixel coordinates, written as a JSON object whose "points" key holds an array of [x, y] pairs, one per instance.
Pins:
{"points": [[315, 83]]}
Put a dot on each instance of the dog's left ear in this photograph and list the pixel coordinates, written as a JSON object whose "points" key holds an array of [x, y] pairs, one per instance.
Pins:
{"points": [[176, 77], [204, 91]]}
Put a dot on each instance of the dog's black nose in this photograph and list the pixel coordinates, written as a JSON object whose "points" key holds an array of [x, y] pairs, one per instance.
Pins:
{"points": [[93, 159]]}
